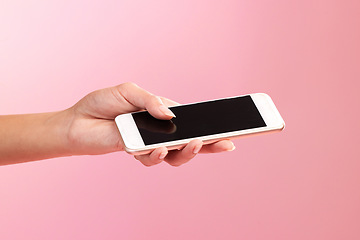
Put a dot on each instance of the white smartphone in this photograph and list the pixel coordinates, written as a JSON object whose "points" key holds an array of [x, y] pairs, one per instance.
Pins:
{"points": [[208, 121]]}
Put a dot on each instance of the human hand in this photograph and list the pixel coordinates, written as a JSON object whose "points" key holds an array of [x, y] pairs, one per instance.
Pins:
{"points": [[93, 129]]}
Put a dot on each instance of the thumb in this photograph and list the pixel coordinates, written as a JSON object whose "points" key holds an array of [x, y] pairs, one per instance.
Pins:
{"points": [[142, 99]]}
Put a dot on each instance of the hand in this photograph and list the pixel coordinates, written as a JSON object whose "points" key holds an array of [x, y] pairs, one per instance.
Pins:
{"points": [[93, 129]]}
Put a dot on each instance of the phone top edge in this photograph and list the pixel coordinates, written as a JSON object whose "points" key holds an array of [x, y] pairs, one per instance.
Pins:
{"points": [[212, 100]]}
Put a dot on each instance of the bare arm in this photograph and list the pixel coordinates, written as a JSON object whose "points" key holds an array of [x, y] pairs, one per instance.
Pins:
{"points": [[34, 136]]}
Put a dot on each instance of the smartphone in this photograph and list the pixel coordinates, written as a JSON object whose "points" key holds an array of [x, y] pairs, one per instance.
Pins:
{"points": [[208, 121]]}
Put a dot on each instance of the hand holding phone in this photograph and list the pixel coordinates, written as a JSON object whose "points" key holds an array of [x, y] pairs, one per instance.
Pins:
{"points": [[208, 121], [92, 129]]}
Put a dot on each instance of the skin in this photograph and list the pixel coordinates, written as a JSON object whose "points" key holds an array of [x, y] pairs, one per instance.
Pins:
{"points": [[88, 128]]}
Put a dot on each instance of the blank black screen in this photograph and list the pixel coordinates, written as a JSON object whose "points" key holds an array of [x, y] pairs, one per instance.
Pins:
{"points": [[200, 119]]}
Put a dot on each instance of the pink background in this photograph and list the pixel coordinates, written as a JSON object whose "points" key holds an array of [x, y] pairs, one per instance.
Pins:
{"points": [[303, 183]]}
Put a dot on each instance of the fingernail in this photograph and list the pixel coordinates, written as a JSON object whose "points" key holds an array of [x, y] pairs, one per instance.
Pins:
{"points": [[232, 149], [166, 111], [162, 155], [197, 149]]}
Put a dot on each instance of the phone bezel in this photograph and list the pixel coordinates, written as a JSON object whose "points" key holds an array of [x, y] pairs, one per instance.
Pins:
{"points": [[134, 143]]}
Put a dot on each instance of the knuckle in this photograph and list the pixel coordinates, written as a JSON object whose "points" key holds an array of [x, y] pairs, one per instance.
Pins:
{"points": [[126, 85], [156, 99], [152, 100]]}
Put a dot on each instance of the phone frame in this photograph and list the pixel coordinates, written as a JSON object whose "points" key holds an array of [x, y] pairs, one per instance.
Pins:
{"points": [[135, 145]]}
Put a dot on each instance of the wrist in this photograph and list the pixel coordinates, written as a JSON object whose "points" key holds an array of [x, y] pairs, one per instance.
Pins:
{"points": [[55, 134], [66, 121]]}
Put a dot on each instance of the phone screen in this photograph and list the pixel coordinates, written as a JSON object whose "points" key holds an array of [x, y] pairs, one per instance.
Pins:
{"points": [[200, 119]]}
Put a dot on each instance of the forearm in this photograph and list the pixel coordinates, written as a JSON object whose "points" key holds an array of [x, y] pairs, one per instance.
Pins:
{"points": [[34, 136]]}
